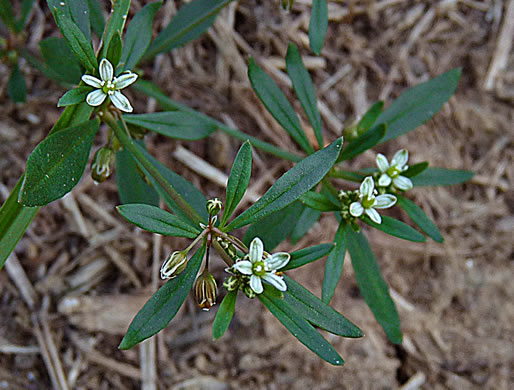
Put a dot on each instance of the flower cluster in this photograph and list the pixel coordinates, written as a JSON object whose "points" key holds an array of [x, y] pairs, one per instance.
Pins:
{"points": [[390, 174], [369, 201]]}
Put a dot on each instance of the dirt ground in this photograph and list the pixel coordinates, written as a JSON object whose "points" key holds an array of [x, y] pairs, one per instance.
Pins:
{"points": [[80, 273]]}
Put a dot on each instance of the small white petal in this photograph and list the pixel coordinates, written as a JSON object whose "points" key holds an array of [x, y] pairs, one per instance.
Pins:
{"points": [[367, 187], [384, 180], [121, 102], [277, 261], [91, 80], [356, 209], [106, 70], [400, 158], [256, 250], [256, 284], [384, 201], [402, 183], [245, 267], [382, 162], [96, 97], [125, 80], [373, 215], [275, 280]]}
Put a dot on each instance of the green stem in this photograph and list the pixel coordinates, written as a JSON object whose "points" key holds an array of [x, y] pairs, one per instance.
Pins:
{"points": [[129, 145], [168, 104]]}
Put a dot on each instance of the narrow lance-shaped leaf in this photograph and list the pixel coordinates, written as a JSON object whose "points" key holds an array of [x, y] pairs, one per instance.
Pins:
{"points": [[238, 180], [132, 188], [370, 117], [16, 86], [96, 17], [114, 50], [138, 36], [191, 20], [317, 312], [78, 43], [420, 218], [277, 104], [162, 307], [364, 142], [304, 89], [418, 104], [441, 177], [307, 255], [318, 201], [74, 96], [415, 170], [173, 124], [372, 286], [300, 328], [318, 25], [306, 221], [291, 185], [156, 220], [80, 15], [396, 228], [334, 264], [115, 25], [60, 61], [57, 164], [224, 315]]}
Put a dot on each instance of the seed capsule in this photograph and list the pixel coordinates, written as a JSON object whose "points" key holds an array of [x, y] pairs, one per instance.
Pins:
{"points": [[103, 161], [206, 290], [174, 265]]}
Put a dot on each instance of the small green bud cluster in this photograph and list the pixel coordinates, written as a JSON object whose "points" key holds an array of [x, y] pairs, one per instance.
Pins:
{"points": [[347, 198], [102, 165], [229, 248], [239, 282]]}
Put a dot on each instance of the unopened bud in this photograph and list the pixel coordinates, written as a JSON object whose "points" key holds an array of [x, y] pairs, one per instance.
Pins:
{"points": [[249, 292], [286, 5], [351, 132], [174, 265], [231, 283], [103, 161], [206, 290], [214, 206]]}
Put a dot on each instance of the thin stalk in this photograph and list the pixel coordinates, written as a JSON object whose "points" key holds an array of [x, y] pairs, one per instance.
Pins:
{"points": [[129, 145], [168, 104]]}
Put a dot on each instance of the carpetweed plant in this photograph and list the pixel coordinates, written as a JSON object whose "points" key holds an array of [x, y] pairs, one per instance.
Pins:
{"points": [[288, 209]]}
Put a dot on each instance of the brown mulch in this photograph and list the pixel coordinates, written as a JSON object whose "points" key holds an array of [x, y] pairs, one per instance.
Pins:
{"points": [[80, 273]]}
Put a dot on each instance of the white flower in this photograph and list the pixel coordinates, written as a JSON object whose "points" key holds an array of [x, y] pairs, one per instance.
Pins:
{"points": [[391, 172], [368, 202], [109, 86], [263, 269]]}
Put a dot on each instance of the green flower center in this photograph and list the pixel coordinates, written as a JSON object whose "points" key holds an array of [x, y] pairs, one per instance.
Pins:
{"points": [[393, 172], [258, 268], [108, 88], [368, 202]]}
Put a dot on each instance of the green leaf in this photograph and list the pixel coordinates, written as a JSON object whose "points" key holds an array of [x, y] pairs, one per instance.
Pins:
{"points": [[317, 312], [277, 104], [80, 15], [156, 220], [318, 201], [115, 24], [7, 15], [162, 307], [418, 104], [57, 164], [138, 36], [370, 117], [420, 218], [415, 170], [291, 185], [395, 228], [334, 264], [364, 142], [58, 57], [74, 96], [96, 17], [114, 50], [224, 315], [191, 20], [307, 255], [441, 177], [173, 124], [132, 188], [300, 328], [238, 180], [304, 89], [187, 190], [318, 25], [26, 6], [274, 228], [307, 219], [16, 86], [372, 286], [78, 43]]}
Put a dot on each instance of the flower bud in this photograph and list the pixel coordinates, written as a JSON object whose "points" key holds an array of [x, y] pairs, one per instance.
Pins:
{"points": [[214, 206], [206, 290], [101, 167], [174, 265], [351, 133], [231, 284], [286, 5], [249, 292]]}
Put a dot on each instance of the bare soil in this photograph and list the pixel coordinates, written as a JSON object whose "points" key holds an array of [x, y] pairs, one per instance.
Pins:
{"points": [[88, 272]]}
